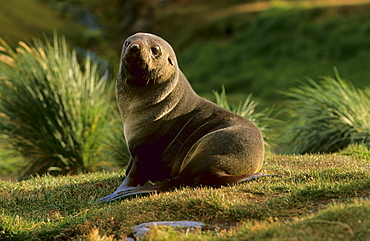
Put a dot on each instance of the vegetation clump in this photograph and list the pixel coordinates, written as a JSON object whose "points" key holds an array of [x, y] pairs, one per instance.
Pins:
{"points": [[54, 110], [327, 116]]}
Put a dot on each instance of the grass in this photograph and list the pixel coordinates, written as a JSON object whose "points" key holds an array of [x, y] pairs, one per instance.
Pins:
{"points": [[248, 50], [18, 24], [316, 198], [327, 116], [54, 110], [311, 227], [262, 52], [11, 164]]}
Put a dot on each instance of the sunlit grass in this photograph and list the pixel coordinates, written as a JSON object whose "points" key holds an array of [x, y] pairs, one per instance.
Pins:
{"points": [[327, 116], [54, 110], [313, 190]]}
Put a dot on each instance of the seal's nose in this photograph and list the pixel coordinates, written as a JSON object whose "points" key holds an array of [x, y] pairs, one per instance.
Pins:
{"points": [[135, 46], [133, 49]]}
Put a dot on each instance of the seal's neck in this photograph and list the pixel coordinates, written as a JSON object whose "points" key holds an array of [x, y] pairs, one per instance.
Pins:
{"points": [[151, 107], [156, 100]]}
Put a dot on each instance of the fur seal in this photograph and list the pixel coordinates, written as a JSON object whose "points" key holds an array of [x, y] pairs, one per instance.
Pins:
{"points": [[173, 135]]}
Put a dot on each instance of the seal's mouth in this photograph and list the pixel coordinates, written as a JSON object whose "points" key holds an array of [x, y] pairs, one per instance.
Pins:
{"points": [[136, 66]]}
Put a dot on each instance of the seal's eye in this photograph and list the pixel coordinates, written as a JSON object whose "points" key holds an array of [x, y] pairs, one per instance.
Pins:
{"points": [[155, 50], [127, 43]]}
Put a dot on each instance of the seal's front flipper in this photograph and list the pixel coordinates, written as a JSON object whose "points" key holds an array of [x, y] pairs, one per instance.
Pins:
{"points": [[120, 194], [108, 198], [127, 191]]}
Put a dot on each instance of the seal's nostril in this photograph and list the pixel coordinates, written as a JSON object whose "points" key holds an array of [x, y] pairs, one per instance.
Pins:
{"points": [[135, 46]]}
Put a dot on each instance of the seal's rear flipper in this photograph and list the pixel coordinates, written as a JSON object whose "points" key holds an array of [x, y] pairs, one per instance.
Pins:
{"points": [[243, 178], [220, 178]]}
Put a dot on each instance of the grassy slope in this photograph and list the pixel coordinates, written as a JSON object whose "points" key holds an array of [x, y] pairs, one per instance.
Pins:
{"points": [[319, 197], [248, 48], [265, 51]]}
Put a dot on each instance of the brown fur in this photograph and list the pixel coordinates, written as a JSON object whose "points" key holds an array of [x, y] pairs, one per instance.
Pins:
{"points": [[174, 135]]}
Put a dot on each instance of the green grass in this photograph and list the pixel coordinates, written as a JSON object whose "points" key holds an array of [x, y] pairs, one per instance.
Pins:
{"points": [[326, 116], [24, 20], [11, 164], [55, 111], [269, 50], [248, 51], [317, 196]]}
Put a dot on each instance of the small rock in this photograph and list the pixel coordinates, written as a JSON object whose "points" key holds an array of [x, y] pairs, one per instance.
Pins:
{"points": [[141, 230], [129, 239]]}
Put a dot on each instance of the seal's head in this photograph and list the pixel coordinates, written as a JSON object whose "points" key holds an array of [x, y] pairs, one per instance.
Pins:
{"points": [[147, 59]]}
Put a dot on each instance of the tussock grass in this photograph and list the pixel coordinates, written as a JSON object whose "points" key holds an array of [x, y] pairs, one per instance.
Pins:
{"points": [[54, 110], [327, 116], [316, 193]]}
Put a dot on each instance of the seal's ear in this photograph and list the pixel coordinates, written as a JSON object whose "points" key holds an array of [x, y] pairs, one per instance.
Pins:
{"points": [[170, 61]]}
